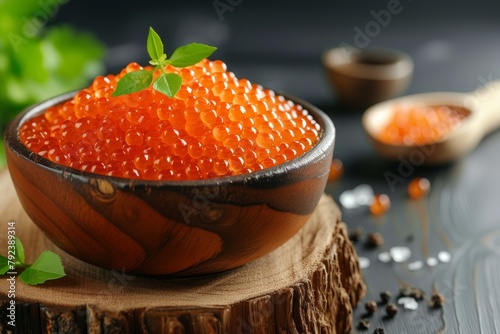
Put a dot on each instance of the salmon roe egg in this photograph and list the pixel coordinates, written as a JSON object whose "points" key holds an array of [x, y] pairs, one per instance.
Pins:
{"points": [[421, 125], [418, 187], [336, 170], [216, 125], [381, 203]]}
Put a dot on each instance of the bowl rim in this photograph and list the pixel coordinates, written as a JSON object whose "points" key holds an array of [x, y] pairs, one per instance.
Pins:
{"points": [[326, 139]]}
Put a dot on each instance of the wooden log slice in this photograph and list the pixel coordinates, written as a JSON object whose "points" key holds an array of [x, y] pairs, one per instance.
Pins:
{"points": [[308, 285]]}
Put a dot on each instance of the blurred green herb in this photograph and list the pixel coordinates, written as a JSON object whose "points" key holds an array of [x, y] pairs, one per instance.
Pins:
{"points": [[2, 154], [39, 62], [167, 83], [46, 267]]}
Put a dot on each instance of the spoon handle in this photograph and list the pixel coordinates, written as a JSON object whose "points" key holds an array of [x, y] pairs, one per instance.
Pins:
{"points": [[486, 100]]}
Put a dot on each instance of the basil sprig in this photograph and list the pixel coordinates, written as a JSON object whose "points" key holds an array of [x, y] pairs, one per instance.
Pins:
{"points": [[167, 83]]}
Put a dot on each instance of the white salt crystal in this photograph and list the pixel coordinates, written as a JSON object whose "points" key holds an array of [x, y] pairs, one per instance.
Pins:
{"points": [[400, 254], [416, 265], [364, 262], [384, 257], [432, 262], [408, 303], [363, 194], [444, 257], [348, 200]]}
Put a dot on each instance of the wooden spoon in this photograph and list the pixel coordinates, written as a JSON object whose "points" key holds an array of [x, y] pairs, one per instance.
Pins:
{"points": [[483, 116]]}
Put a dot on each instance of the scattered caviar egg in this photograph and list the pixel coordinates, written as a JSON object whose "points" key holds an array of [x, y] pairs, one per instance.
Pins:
{"points": [[380, 204], [336, 170], [216, 125], [421, 125], [418, 187]]}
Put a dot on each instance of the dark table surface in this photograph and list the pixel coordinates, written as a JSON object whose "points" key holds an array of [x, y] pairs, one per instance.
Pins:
{"points": [[455, 46]]}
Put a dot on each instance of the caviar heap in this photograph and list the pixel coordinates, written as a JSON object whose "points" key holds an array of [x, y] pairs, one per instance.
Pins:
{"points": [[422, 125], [216, 125]]}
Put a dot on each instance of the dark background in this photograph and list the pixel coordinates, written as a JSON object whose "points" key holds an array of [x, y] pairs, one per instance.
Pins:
{"points": [[279, 43], [455, 46]]}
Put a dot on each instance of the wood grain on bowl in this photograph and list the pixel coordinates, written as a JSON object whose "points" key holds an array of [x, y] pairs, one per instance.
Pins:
{"points": [[308, 285], [169, 227]]}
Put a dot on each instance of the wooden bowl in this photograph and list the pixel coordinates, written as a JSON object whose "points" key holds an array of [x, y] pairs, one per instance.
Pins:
{"points": [[363, 77], [168, 227]]}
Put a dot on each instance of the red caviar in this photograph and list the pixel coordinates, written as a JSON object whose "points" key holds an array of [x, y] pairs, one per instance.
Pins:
{"points": [[418, 187], [336, 170], [381, 203], [216, 125], [421, 125]]}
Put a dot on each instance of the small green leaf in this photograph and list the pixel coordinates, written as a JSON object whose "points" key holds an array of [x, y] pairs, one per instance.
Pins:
{"points": [[48, 266], [191, 54], [154, 45], [19, 251], [133, 82], [160, 62], [4, 265], [168, 84]]}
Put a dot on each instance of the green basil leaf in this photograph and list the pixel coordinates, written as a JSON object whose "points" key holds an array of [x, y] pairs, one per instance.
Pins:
{"points": [[19, 251], [48, 266], [133, 82], [191, 54], [154, 45], [4, 265], [168, 84]]}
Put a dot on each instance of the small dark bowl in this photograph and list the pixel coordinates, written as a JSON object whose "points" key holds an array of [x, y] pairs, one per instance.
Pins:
{"points": [[363, 77], [168, 228]]}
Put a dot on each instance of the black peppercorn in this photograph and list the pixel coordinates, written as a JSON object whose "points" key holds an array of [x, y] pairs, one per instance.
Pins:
{"points": [[374, 239], [411, 291], [355, 234], [391, 309], [405, 291], [437, 300], [371, 306], [364, 324], [379, 331], [385, 296], [417, 293]]}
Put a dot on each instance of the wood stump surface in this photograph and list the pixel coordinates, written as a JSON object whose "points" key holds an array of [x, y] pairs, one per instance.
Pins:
{"points": [[308, 285]]}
